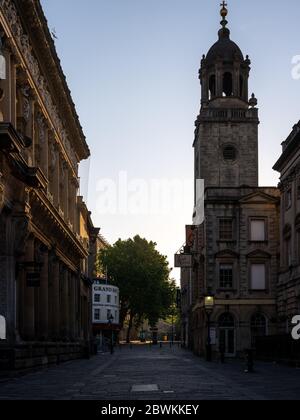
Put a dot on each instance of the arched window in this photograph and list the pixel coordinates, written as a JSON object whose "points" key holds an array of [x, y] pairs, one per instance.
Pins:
{"points": [[227, 84], [212, 86], [258, 327], [226, 321], [2, 328]]}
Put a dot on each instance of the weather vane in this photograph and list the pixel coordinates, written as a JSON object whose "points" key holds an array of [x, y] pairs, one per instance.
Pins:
{"points": [[224, 13]]}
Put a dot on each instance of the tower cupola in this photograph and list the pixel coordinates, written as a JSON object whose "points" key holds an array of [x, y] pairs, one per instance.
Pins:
{"points": [[224, 71]]}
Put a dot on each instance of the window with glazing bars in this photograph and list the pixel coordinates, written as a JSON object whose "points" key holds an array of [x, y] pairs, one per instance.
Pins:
{"points": [[225, 229], [226, 276]]}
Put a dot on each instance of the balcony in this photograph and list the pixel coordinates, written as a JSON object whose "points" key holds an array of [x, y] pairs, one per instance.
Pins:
{"points": [[234, 114]]}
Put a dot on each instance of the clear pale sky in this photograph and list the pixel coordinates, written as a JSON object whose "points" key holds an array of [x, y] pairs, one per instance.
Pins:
{"points": [[132, 67]]}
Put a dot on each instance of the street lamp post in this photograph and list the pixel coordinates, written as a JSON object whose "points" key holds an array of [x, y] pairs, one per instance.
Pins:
{"points": [[209, 307], [110, 321]]}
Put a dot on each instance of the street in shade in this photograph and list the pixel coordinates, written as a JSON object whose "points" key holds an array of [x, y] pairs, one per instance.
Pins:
{"points": [[83, 317], [145, 372]]}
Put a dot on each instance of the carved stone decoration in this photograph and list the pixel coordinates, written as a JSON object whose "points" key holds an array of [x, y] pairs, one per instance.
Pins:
{"points": [[62, 174], [11, 15], [53, 154], [41, 127], [26, 109], [26, 103]]}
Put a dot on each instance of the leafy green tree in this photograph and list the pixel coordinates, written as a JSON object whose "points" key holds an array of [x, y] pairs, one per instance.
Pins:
{"points": [[142, 275]]}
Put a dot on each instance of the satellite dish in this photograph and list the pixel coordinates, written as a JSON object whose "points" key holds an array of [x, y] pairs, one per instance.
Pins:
{"points": [[2, 67]]}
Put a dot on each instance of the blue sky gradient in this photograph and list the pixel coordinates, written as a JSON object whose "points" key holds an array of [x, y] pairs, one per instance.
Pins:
{"points": [[132, 67]]}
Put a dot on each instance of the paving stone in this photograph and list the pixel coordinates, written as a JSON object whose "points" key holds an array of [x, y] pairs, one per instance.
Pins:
{"points": [[176, 373]]}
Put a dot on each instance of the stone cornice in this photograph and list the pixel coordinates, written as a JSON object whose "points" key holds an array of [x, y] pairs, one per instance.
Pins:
{"points": [[59, 232], [290, 146], [44, 49]]}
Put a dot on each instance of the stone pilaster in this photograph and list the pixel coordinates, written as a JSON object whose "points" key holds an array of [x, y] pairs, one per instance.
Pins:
{"points": [[65, 304], [43, 296], [43, 143], [72, 317], [28, 307], [54, 296]]}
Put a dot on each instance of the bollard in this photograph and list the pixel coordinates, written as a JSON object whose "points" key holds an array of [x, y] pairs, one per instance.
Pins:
{"points": [[249, 361], [160, 345]]}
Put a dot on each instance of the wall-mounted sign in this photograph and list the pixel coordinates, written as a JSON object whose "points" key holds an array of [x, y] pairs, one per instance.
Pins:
{"points": [[183, 261]]}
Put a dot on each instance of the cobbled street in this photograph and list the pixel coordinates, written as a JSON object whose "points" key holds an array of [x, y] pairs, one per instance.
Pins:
{"points": [[153, 373]]}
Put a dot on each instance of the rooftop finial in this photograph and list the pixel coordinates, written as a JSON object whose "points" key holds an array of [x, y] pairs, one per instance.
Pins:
{"points": [[224, 13]]}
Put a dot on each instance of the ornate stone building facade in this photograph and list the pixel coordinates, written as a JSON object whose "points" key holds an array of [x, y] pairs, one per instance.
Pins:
{"points": [[45, 291], [289, 277], [235, 250]]}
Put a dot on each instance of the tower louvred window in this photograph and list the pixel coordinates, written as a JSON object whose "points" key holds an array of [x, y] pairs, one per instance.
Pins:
{"points": [[229, 153], [227, 84]]}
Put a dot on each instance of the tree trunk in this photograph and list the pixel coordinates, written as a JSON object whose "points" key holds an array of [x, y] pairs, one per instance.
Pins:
{"points": [[129, 327]]}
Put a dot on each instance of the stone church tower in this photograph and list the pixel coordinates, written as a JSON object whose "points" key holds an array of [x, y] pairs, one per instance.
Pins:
{"points": [[226, 144], [235, 249]]}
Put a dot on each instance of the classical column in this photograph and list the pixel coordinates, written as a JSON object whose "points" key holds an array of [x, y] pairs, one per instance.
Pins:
{"points": [[54, 169], [62, 192], [28, 314], [236, 80], [65, 304], [72, 318], [66, 192], [54, 310], [13, 76], [72, 209], [204, 85], [219, 79], [43, 143], [77, 306], [43, 295]]}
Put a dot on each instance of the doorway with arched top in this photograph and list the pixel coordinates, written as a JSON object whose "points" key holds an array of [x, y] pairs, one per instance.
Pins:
{"points": [[227, 345]]}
